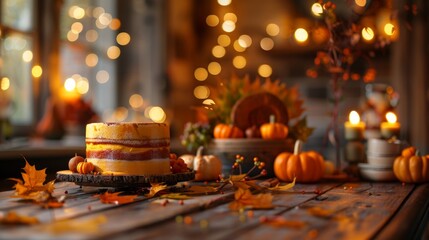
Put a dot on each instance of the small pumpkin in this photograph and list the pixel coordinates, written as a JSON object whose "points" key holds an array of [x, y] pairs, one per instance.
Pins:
{"points": [[74, 161], [85, 167], [206, 167], [305, 166], [222, 130], [411, 168], [274, 130]]}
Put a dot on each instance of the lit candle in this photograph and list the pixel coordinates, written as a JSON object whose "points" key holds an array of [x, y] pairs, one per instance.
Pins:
{"points": [[354, 128], [390, 128]]}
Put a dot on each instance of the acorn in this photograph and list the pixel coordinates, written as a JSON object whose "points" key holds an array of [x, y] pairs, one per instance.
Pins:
{"points": [[74, 161]]}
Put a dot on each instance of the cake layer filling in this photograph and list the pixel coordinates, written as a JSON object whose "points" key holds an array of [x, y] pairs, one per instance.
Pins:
{"points": [[134, 155], [140, 143], [149, 167]]}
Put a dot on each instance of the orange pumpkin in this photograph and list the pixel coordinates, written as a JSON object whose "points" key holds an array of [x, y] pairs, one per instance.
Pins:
{"points": [[274, 130], [411, 168], [305, 166], [85, 167], [227, 131]]}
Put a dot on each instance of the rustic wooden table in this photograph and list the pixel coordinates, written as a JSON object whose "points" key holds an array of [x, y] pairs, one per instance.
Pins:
{"points": [[328, 210]]}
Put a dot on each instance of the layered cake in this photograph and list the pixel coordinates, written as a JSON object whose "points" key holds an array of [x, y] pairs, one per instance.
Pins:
{"points": [[129, 148]]}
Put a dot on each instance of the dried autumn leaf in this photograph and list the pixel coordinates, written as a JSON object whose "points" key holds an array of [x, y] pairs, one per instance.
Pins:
{"points": [[91, 225], [32, 187], [12, 218], [245, 199], [154, 189], [176, 196], [283, 187], [114, 198], [283, 222], [320, 212], [201, 190]]}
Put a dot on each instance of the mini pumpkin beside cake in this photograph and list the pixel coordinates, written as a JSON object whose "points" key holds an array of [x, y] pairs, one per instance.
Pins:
{"points": [[129, 148]]}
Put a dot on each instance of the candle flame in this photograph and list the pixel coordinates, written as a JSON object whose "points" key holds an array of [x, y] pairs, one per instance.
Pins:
{"points": [[354, 117], [391, 117]]}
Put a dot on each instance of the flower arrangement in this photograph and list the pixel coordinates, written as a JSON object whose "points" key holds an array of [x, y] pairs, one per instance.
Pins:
{"points": [[226, 94]]}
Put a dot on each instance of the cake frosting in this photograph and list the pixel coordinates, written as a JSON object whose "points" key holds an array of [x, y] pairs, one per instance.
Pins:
{"points": [[129, 148]]}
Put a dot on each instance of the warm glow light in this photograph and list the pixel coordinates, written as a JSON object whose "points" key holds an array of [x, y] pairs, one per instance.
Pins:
{"points": [[317, 9], [245, 41], [208, 102], [136, 101], [265, 70], [391, 117], [389, 29], [91, 60], [91, 35], [237, 47], [224, 2], [102, 76], [70, 84], [115, 24], [36, 71], [157, 114], [301, 35], [228, 26], [223, 40], [77, 12], [82, 86], [201, 92], [267, 44], [71, 36], [77, 27], [123, 38], [27, 56], [105, 19], [272, 29], [212, 20], [214, 68], [218, 51], [360, 3], [367, 33], [230, 16], [201, 74], [5, 83], [97, 12], [113, 52], [239, 62], [354, 117], [120, 114]]}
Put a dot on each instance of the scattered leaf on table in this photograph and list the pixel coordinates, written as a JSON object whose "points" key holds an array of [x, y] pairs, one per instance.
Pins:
{"points": [[201, 190], [279, 221], [245, 199], [283, 187], [114, 198], [32, 187], [91, 225], [154, 189], [237, 178], [176, 196], [320, 212], [12, 218]]}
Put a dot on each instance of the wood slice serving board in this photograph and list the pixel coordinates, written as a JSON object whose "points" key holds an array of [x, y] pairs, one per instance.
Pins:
{"points": [[122, 181]]}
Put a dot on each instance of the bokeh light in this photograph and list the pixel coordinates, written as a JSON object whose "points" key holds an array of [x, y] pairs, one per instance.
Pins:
{"points": [[113, 52], [218, 51], [136, 101], [70, 84], [267, 44], [201, 92], [201, 74], [223, 40], [265, 70], [123, 38], [91, 60], [212, 20], [102, 76], [239, 62], [36, 71], [272, 29], [367, 33], [157, 114], [27, 56], [228, 26], [5, 83], [301, 35], [214, 68]]}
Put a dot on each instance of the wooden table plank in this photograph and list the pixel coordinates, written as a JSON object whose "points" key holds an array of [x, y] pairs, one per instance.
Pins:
{"points": [[356, 213], [221, 223]]}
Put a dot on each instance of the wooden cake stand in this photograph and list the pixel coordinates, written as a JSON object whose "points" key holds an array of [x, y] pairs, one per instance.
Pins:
{"points": [[122, 181]]}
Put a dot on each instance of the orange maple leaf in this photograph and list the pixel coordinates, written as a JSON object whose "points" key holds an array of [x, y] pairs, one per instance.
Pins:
{"points": [[155, 189], [245, 199], [13, 218], [114, 198], [32, 187]]}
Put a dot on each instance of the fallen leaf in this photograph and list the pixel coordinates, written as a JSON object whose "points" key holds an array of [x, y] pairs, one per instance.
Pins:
{"points": [[320, 212], [245, 199], [201, 190], [91, 225], [32, 187], [114, 198], [177, 196], [283, 187], [237, 178], [154, 189], [279, 221], [12, 218]]}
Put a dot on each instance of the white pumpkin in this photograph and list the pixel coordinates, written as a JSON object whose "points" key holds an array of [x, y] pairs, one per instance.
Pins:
{"points": [[206, 167]]}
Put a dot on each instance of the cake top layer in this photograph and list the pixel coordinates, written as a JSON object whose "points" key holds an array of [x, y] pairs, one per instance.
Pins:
{"points": [[131, 131]]}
